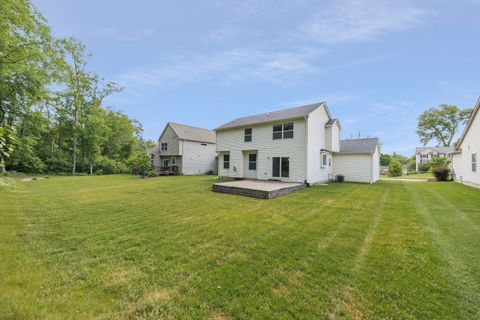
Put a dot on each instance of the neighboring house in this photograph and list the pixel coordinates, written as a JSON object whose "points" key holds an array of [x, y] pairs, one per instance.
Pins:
{"points": [[299, 144], [426, 154], [467, 151], [185, 150]]}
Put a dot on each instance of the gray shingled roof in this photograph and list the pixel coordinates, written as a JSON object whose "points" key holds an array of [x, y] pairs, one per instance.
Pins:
{"points": [[184, 132], [284, 114], [367, 145], [436, 149], [331, 122]]}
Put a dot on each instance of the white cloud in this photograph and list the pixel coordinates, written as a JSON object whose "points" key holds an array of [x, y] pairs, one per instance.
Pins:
{"points": [[228, 65], [127, 36], [361, 20], [284, 50]]}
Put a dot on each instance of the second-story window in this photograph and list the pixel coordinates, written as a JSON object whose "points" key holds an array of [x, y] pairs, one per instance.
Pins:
{"points": [[164, 146], [283, 131], [277, 131], [248, 135], [288, 130]]}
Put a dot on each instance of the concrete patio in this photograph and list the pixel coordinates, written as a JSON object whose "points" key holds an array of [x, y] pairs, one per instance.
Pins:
{"points": [[257, 188]]}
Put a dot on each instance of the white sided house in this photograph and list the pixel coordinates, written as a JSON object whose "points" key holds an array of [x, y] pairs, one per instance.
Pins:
{"points": [[465, 157], [185, 150], [298, 145]]}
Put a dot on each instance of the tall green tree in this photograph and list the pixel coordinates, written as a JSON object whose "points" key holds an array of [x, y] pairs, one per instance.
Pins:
{"points": [[441, 124], [28, 59]]}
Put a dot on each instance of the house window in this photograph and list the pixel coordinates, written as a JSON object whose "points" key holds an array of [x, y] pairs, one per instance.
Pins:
{"points": [[252, 161], [226, 161], [423, 158], [152, 159], [283, 131], [329, 162], [166, 163], [174, 161], [248, 135], [277, 131], [288, 130], [324, 160], [164, 146], [474, 162], [281, 167]]}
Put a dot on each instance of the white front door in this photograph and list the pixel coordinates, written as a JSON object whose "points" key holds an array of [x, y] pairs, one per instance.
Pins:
{"points": [[250, 165]]}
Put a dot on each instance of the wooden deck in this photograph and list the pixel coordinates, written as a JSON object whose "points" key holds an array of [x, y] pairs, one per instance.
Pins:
{"points": [[257, 188]]}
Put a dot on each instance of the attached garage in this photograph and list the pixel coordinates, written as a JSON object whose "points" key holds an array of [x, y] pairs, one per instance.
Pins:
{"points": [[358, 160]]}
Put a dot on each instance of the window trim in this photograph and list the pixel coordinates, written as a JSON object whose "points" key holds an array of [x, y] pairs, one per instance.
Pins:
{"points": [[164, 146], [226, 163], [324, 160], [173, 161], [474, 163], [247, 137]]}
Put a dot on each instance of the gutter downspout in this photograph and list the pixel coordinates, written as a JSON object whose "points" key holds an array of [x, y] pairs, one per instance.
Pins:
{"points": [[306, 149]]}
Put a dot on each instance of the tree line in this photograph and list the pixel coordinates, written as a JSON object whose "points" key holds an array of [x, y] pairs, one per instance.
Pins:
{"points": [[52, 113]]}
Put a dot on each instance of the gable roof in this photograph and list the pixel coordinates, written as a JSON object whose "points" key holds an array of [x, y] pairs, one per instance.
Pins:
{"points": [[367, 145], [435, 149], [469, 124], [291, 113], [190, 133]]}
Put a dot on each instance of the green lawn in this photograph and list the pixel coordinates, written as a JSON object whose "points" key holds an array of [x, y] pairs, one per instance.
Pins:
{"points": [[123, 247]]}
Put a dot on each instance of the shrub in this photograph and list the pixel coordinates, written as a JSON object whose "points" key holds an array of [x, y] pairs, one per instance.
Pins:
{"points": [[424, 167], [412, 165], [439, 163], [152, 174], [395, 169], [109, 166], [441, 173]]}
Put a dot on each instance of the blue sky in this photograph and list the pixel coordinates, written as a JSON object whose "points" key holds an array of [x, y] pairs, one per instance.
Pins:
{"points": [[378, 64]]}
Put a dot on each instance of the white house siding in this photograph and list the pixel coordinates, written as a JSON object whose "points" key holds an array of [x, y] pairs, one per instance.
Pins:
{"points": [[172, 141], [462, 164], [335, 147], [232, 141], [376, 165], [316, 141], [355, 167], [458, 167], [198, 157]]}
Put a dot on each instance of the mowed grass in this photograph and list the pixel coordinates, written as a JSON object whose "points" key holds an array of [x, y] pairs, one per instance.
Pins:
{"points": [[168, 248]]}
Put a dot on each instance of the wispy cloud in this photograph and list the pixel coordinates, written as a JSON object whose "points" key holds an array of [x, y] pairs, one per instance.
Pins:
{"points": [[287, 50], [122, 35], [361, 20], [228, 65]]}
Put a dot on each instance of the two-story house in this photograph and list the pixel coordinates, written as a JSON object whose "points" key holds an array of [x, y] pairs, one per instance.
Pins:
{"points": [[185, 150], [426, 154], [299, 144]]}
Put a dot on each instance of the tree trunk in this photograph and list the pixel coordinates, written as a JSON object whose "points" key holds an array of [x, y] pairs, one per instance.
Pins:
{"points": [[2, 164], [91, 168], [74, 147]]}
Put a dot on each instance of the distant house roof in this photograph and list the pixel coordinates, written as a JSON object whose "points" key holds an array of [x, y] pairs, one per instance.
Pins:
{"points": [[475, 112], [367, 145], [291, 113], [185, 132], [445, 150]]}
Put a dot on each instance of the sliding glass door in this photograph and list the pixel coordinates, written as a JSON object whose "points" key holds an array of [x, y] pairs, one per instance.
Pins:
{"points": [[281, 167]]}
